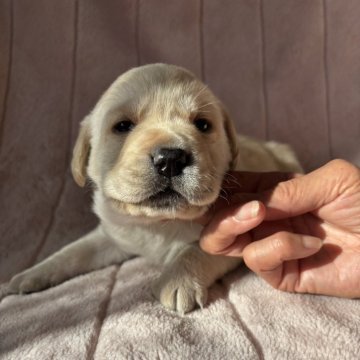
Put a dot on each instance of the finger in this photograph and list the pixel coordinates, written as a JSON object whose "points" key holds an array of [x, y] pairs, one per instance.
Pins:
{"points": [[223, 230], [307, 193], [303, 194], [267, 257], [235, 249]]}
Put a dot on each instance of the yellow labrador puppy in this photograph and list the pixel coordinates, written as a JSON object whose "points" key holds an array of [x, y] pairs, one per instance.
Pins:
{"points": [[156, 147]]}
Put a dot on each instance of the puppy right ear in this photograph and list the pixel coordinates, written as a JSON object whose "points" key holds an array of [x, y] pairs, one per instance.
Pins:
{"points": [[81, 153]]}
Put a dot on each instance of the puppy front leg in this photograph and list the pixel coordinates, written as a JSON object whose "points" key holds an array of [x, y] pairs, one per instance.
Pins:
{"points": [[93, 251], [185, 280]]}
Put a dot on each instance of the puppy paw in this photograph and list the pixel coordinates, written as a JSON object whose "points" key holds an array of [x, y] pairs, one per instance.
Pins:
{"points": [[180, 293], [30, 281]]}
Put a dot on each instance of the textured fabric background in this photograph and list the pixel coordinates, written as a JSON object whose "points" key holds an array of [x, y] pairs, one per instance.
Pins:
{"points": [[288, 70]]}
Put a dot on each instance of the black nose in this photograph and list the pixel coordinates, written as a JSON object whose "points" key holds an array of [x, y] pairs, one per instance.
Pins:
{"points": [[170, 162]]}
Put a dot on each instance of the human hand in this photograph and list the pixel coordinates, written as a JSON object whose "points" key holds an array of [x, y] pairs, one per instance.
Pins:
{"points": [[305, 232]]}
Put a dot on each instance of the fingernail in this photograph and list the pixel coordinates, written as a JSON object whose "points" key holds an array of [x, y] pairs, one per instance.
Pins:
{"points": [[248, 211], [310, 242]]}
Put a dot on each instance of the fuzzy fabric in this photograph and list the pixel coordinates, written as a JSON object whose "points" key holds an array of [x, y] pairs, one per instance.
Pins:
{"points": [[287, 70], [110, 314]]}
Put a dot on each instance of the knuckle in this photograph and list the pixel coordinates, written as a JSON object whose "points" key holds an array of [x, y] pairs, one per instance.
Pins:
{"points": [[288, 190], [280, 242], [344, 166], [338, 163], [346, 174], [252, 256]]}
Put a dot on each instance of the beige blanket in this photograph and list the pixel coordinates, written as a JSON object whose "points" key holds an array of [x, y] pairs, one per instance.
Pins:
{"points": [[110, 314]]}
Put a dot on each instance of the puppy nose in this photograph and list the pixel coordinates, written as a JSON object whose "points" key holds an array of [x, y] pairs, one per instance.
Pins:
{"points": [[170, 162]]}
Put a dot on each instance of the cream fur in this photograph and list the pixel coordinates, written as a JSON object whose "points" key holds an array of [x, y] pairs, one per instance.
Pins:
{"points": [[163, 101]]}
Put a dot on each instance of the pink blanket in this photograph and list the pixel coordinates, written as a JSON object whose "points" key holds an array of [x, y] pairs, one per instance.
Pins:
{"points": [[111, 314]]}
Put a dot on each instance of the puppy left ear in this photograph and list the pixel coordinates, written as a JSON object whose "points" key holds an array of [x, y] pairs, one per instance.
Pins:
{"points": [[232, 137], [81, 153]]}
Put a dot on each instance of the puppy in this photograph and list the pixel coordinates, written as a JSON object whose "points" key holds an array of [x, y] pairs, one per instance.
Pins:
{"points": [[156, 148]]}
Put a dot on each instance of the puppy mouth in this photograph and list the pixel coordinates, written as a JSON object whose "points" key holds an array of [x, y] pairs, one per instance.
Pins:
{"points": [[166, 198]]}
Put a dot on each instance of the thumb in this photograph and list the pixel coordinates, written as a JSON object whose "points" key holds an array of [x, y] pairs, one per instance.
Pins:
{"points": [[301, 194], [294, 197]]}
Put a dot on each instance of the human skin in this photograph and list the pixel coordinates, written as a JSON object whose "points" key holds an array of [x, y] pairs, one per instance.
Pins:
{"points": [[299, 233]]}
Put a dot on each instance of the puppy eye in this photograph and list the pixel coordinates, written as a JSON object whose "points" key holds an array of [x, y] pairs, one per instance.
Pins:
{"points": [[123, 126], [202, 124]]}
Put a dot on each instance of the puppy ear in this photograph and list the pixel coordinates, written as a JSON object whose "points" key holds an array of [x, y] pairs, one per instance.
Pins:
{"points": [[232, 137], [81, 153]]}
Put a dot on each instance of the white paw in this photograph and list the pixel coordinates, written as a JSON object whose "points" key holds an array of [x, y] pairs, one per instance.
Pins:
{"points": [[31, 280], [179, 291]]}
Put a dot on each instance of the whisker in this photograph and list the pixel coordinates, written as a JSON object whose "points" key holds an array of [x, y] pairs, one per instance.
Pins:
{"points": [[233, 179], [224, 198]]}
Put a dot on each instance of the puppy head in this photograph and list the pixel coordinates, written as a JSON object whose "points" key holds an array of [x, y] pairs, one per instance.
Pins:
{"points": [[157, 144]]}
